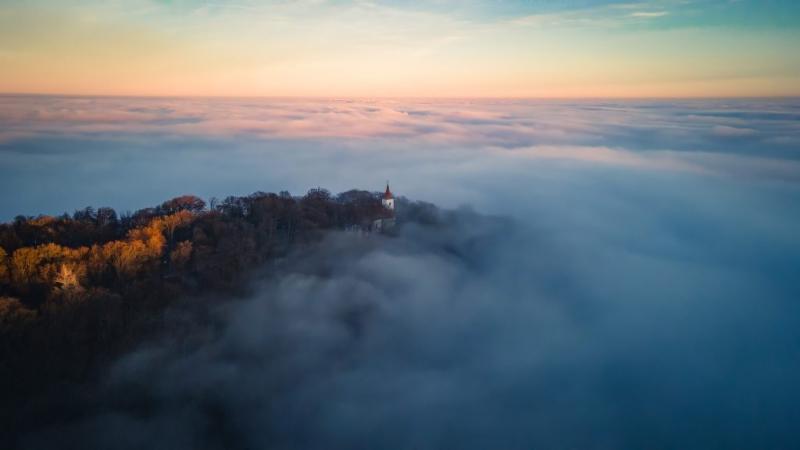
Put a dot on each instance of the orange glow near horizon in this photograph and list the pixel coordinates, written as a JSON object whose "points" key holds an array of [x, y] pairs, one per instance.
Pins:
{"points": [[369, 50]]}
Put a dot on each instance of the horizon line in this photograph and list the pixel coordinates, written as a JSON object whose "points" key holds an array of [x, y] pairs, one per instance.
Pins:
{"points": [[399, 97]]}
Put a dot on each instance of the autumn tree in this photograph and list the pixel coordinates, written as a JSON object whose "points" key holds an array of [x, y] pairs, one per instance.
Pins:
{"points": [[67, 276], [173, 221], [180, 257], [183, 203], [14, 316], [4, 272], [106, 217], [127, 258]]}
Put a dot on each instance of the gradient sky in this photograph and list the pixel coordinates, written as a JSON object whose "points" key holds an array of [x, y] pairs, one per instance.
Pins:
{"points": [[534, 48]]}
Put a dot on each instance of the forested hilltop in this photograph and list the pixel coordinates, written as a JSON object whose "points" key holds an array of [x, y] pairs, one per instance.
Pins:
{"points": [[76, 290]]}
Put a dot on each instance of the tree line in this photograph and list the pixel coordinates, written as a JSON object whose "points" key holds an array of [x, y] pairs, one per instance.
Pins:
{"points": [[77, 289]]}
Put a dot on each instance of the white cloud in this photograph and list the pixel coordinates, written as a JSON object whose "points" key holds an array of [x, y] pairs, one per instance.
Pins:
{"points": [[727, 131], [649, 14]]}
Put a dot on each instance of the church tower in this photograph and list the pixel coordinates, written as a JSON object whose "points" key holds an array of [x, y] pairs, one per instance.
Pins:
{"points": [[388, 199]]}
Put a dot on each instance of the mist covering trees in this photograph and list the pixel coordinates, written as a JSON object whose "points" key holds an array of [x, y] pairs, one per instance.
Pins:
{"points": [[77, 290]]}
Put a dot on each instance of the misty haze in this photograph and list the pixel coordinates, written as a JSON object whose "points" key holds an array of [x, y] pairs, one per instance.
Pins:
{"points": [[399, 225], [625, 277]]}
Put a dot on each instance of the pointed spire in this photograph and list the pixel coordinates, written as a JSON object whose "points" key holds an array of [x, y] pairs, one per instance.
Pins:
{"points": [[388, 194]]}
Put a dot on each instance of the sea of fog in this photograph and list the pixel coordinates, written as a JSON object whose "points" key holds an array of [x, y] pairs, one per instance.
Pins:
{"points": [[643, 291]]}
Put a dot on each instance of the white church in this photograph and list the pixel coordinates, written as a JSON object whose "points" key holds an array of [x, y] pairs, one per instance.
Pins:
{"points": [[388, 199], [384, 224]]}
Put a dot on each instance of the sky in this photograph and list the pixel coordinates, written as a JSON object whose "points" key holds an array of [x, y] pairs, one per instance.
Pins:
{"points": [[401, 48], [618, 274]]}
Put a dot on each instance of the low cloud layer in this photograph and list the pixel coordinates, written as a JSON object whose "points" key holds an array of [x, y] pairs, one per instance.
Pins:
{"points": [[447, 151], [652, 125], [640, 291], [485, 334]]}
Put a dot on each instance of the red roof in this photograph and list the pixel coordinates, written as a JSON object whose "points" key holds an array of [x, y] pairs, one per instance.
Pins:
{"points": [[388, 194]]}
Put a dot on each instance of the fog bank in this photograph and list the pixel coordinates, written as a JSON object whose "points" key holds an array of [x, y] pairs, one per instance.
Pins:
{"points": [[639, 291], [483, 334]]}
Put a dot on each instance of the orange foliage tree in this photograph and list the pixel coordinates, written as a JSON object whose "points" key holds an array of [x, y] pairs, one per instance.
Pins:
{"points": [[4, 272]]}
